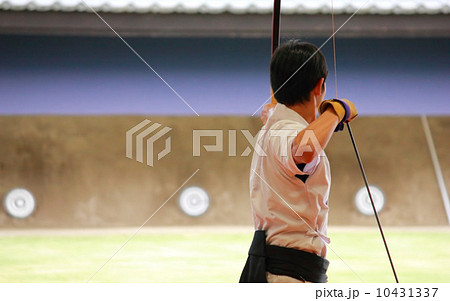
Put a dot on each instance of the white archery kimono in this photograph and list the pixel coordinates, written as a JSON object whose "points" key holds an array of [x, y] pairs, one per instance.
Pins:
{"points": [[293, 213]]}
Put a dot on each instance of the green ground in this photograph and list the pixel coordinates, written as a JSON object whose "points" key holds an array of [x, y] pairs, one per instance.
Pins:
{"points": [[191, 256]]}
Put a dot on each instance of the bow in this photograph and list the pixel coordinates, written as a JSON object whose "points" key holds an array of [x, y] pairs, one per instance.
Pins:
{"points": [[275, 41], [276, 17]]}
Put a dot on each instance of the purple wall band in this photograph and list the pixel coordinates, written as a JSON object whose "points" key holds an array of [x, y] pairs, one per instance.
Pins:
{"points": [[86, 75]]}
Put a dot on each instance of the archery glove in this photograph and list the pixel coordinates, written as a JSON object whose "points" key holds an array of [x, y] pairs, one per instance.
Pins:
{"points": [[344, 108]]}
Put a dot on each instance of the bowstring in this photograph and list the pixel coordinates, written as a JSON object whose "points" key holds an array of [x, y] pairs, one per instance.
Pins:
{"points": [[334, 49]]}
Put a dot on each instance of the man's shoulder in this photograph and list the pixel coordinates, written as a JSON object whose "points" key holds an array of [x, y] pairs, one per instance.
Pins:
{"points": [[285, 124], [284, 117]]}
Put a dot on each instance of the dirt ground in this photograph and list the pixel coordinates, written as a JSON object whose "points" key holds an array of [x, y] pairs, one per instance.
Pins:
{"points": [[77, 170], [196, 230]]}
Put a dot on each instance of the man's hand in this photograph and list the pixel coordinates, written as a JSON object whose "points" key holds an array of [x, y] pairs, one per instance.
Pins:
{"points": [[343, 108]]}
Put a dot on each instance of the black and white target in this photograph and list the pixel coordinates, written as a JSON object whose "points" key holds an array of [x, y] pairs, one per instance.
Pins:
{"points": [[19, 203], [194, 201], [362, 200]]}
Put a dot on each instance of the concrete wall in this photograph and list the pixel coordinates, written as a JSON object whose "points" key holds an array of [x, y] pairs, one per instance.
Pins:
{"points": [[77, 170]]}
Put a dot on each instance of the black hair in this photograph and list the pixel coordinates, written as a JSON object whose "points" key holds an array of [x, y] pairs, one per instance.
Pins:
{"points": [[306, 61]]}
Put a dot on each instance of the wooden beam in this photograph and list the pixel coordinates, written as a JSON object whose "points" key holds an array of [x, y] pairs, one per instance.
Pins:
{"points": [[220, 25]]}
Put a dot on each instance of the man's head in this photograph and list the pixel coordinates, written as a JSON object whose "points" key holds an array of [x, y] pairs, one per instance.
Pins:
{"points": [[287, 59]]}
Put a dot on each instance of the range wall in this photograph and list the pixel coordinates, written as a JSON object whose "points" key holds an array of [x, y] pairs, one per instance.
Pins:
{"points": [[78, 172]]}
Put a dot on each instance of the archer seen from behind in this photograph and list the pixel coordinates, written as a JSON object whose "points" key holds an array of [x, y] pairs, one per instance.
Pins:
{"points": [[290, 178]]}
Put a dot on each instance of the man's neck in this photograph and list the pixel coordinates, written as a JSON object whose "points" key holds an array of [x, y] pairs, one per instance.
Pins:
{"points": [[307, 110]]}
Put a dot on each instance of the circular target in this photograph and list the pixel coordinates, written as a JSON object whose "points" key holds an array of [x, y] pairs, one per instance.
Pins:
{"points": [[363, 203], [19, 203], [194, 201]]}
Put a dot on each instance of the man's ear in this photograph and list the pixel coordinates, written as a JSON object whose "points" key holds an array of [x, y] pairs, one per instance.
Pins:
{"points": [[318, 87]]}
